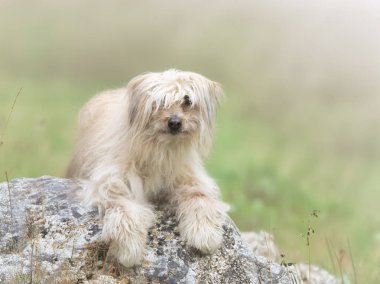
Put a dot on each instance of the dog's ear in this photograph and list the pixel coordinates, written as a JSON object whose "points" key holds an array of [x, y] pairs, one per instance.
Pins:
{"points": [[216, 92], [135, 91], [213, 99], [132, 114]]}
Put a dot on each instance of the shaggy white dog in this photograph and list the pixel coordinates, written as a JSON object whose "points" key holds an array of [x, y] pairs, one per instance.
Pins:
{"points": [[144, 143]]}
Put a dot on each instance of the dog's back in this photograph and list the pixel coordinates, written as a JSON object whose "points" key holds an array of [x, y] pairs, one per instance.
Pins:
{"points": [[96, 118]]}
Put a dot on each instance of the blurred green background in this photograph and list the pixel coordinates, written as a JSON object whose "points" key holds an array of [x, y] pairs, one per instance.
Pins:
{"points": [[298, 131]]}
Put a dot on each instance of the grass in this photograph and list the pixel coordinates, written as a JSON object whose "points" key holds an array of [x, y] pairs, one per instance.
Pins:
{"points": [[272, 182], [275, 182], [299, 130]]}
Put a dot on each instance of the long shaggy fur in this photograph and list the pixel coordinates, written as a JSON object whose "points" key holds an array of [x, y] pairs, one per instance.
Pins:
{"points": [[127, 155]]}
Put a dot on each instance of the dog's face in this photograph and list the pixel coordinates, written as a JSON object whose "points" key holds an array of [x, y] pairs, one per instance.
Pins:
{"points": [[174, 106], [179, 120]]}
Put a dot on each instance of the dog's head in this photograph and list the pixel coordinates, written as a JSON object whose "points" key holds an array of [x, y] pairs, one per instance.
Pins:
{"points": [[174, 107]]}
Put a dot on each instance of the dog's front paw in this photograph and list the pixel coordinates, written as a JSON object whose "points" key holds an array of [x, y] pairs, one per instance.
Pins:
{"points": [[200, 223], [128, 253], [127, 233], [202, 235]]}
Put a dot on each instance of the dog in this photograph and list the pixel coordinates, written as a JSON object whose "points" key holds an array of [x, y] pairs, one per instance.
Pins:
{"points": [[148, 142]]}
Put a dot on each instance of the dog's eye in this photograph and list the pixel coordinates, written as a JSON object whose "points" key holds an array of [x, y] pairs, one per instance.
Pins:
{"points": [[187, 101]]}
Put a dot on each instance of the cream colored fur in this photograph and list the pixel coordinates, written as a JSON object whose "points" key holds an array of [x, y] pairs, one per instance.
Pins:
{"points": [[127, 158]]}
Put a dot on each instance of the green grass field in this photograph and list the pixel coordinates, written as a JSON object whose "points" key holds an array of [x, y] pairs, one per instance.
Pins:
{"points": [[292, 136]]}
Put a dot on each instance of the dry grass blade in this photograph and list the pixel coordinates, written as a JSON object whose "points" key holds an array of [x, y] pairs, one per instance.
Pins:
{"points": [[331, 255], [9, 194], [352, 261], [9, 117]]}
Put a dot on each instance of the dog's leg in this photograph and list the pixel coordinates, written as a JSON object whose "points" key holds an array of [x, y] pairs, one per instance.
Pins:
{"points": [[201, 216], [126, 227], [127, 217]]}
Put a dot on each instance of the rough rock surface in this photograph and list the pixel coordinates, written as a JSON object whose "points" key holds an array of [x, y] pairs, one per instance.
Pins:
{"points": [[48, 237], [262, 243]]}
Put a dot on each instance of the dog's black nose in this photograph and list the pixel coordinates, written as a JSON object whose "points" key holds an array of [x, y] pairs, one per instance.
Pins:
{"points": [[174, 124]]}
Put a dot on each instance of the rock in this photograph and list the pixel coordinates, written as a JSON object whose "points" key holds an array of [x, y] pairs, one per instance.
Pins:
{"points": [[312, 274], [263, 244], [46, 236]]}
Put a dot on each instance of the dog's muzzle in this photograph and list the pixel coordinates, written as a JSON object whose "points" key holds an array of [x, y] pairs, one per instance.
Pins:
{"points": [[174, 124]]}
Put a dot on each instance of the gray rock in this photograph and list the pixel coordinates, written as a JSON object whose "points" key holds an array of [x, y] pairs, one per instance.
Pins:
{"points": [[263, 244], [46, 236]]}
